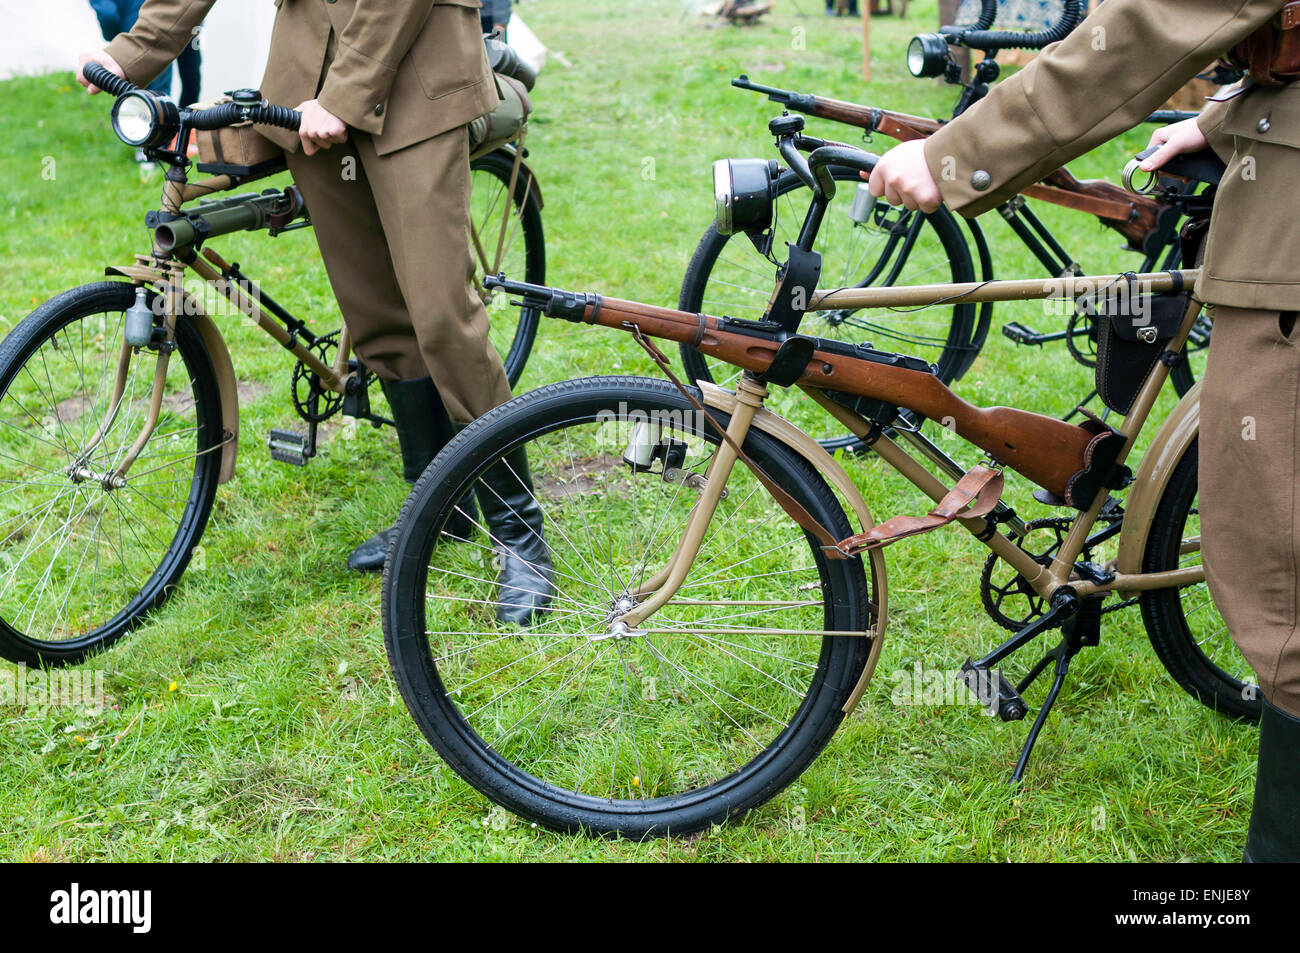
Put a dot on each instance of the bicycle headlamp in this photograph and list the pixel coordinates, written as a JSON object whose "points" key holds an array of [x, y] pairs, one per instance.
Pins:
{"points": [[744, 191], [144, 120], [927, 55]]}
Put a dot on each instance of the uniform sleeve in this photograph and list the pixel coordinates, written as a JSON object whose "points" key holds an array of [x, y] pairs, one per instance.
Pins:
{"points": [[158, 36], [1119, 64], [1210, 121], [370, 49]]}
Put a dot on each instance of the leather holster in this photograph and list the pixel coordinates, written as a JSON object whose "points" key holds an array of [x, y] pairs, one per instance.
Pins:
{"points": [[1271, 55]]}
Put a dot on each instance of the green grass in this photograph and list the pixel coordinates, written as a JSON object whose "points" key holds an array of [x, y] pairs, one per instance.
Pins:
{"points": [[284, 737]]}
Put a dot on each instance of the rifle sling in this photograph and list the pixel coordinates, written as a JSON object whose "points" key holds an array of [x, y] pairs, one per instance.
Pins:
{"points": [[975, 494]]}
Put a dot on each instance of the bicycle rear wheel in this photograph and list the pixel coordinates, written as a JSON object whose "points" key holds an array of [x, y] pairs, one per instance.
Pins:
{"points": [[1185, 629], [506, 231], [81, 561], [709, 708]]}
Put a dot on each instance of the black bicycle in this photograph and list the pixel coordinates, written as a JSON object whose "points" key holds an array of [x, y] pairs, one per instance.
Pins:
{"points": [[867, 243]]}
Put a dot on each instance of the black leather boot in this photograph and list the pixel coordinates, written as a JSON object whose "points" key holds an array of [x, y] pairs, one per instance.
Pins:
{"points": [[515, 520], [423, 428], [1274, 835]]}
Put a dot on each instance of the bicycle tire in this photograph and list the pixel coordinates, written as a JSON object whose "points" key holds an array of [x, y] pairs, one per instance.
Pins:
{"points": [[1165, 615], [406, 602], [23, 345], [499, 164]]}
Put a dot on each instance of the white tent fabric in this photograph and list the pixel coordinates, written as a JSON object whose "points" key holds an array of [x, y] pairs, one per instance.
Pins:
{"points": [[46, 36]]}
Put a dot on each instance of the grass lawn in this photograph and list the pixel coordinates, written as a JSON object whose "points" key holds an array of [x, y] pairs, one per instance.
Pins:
{"points": [[254, 716]]}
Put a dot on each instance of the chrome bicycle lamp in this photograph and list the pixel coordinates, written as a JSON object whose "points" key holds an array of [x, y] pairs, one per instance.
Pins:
{"points": [[927, 55], [144, 120], [744, 191]]}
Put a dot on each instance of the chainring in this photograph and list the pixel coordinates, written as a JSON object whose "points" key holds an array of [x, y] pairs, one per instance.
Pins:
{"points": [[305, 383], [1081, 337], [1017, 589], [995, 596]]}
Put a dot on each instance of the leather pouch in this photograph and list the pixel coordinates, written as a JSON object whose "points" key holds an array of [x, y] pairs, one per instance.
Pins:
{"points": [[1130, 338], [238, 150]]}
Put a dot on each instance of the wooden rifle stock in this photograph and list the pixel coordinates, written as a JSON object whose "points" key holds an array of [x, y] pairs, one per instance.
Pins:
{"points": [[898, 126], [1136, 217], [1048, 451]]}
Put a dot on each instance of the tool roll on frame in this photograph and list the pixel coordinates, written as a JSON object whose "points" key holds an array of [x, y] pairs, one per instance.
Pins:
{"points": [[514, 80]]}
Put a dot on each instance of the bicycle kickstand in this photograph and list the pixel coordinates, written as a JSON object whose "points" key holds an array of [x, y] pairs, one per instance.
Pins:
{"points": [[1079, 631]]}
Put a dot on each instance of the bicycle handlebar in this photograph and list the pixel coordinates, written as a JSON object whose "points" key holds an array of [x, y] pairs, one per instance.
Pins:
{"points": [[227, 114], [988, 13], [99, 75]]}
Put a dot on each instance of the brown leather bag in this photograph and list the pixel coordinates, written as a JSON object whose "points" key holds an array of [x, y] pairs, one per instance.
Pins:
{"points": [[1271, 55]]}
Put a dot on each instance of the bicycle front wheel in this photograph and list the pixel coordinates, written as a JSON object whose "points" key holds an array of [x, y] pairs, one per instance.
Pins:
{"points": [[709, 707], [83, 559], [888, 247], [506, 232]]}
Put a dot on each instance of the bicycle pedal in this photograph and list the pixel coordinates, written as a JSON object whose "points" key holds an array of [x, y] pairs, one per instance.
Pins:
{"points": [[289, 446], [994, 692], [1020, 333]]}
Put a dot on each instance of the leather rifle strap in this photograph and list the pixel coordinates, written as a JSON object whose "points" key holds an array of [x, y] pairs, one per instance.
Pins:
{"points": [[796, 512], [975, 494]]}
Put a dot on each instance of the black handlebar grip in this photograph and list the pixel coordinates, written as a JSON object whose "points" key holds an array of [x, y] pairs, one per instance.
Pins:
{"points": [[98, 75], [218, 117], [281, 116], [992, 40], [227, 114]]}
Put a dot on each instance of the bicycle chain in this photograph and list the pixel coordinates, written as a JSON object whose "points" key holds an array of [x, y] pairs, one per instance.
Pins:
{"points": [[1073, 329]]}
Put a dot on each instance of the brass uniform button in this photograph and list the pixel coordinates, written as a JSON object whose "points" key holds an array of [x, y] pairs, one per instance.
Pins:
{"points": [[980, 180]]}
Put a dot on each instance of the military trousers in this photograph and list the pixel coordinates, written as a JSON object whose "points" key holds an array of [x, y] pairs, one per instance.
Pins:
{"points": [[393, 232], [1249, 492]]}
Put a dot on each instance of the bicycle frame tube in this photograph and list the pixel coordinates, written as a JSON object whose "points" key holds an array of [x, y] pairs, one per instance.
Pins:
{"points": [[665, 583], [752, 392], [330, 379], [212, 270]]}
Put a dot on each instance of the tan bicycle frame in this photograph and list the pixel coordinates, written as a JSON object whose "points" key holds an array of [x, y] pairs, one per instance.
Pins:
{"points": [[746, 409], [166, 276]]}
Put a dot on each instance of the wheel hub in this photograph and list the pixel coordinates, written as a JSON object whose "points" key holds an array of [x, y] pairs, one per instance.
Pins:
{"points": [[614, 628]]}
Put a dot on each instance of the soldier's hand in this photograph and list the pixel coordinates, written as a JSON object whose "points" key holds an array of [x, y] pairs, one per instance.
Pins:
{"points": [[902, 177], [319, 128], [103, 59], [1185, 136]]}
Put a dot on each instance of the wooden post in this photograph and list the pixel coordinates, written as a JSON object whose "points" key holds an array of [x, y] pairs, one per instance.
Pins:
{"points": [[866, 39]]}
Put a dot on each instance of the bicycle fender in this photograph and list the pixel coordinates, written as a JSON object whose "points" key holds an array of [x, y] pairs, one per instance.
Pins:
{"points": [[777, 426], [218, 354], [1153, 474], [526, 173]]}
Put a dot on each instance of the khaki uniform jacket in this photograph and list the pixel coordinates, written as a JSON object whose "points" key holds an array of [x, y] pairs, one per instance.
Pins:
{"points": [[1121, 63], [402, 70]]}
